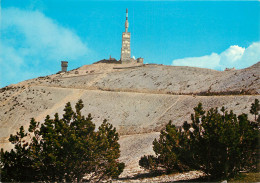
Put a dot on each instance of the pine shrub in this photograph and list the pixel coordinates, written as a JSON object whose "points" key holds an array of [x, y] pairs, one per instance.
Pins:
{"points": [[65, 149], [218, 142]]}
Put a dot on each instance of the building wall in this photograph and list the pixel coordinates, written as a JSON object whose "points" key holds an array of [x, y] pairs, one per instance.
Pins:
{"points": [[64, 69], [125, 50], [64, 65], [140, 60]]}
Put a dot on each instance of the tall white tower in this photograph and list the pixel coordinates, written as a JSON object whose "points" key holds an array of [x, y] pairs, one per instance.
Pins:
{"points": [[125, 50]]}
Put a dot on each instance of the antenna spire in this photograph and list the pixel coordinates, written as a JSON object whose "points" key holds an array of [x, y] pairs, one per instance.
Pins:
{"points": [[126, 21]]}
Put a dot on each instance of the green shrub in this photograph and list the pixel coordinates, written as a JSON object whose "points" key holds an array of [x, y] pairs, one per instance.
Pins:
{"points": [[61, 150], [220, 143], [149, 162]]}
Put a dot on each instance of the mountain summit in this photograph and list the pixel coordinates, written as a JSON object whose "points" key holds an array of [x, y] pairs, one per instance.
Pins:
{"points": [[139, 100]]}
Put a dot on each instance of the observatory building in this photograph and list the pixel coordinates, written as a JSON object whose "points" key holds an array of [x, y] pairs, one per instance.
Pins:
{"points": [[126, 50]]}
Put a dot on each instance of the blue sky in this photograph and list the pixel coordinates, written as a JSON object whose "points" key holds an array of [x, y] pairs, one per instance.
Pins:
{"points": [[37, 35]]}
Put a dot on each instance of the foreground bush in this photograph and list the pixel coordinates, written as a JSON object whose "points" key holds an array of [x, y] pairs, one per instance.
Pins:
{"points": [[63, 150], [219, 143]]}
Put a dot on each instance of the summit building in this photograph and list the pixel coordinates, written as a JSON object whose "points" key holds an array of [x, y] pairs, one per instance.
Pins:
{"points": [[126, 50]]}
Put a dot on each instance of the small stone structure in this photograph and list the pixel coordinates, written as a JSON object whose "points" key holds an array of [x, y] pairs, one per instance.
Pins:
{"points": [[111, 59], [64, 65], [230, 69], [140, 60]]}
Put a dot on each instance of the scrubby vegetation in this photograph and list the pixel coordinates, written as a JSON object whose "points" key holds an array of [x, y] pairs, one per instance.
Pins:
{"points": [[246, 178], [65, 149], [218, 142]]}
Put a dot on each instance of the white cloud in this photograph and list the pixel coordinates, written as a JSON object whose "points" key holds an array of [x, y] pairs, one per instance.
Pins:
{"points": [[234, 56], [32, 43], [207, 61], [251, 55]]}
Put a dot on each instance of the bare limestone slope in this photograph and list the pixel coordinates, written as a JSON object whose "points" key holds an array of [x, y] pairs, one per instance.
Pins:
{"points": [[138, 100]]}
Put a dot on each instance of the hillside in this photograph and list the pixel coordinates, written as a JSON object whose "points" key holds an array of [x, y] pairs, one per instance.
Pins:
{"points": [[138, 100]]}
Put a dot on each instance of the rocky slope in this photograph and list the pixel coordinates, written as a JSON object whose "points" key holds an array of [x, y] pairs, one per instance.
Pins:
{"points": [[137, 100]]}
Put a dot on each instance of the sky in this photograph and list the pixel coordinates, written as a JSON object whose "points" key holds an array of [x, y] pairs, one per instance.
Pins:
{"points": [[37, 35]]}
